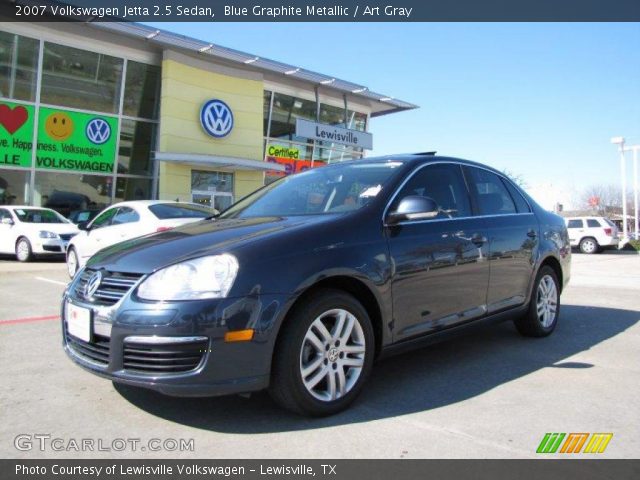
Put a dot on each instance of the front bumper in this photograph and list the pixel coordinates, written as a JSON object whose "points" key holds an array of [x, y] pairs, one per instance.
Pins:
{"points": [[214, 367], [49, 246]]}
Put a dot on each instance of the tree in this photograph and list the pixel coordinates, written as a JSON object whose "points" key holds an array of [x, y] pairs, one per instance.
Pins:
{"points": [[517, 178]]}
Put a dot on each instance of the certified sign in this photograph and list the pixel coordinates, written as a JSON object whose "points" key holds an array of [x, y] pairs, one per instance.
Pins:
{"points": [[334, 134], [216, 118]]}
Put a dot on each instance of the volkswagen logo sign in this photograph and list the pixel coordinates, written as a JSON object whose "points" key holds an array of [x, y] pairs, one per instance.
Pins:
{"points": [[216, 118], [92, 284], [98, 131]]}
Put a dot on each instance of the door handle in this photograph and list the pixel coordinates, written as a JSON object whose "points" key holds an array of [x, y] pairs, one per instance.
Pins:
{"points": [[478, 239], [532, 234]]}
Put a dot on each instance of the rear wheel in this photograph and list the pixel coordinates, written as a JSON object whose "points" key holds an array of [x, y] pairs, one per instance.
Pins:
{"points": [[72, 262], [24, 253], [542, 316], [324, 355], [589, 245]]}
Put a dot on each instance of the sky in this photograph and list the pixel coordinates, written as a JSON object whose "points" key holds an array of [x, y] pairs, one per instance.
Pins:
{"points": [[539, 99]]}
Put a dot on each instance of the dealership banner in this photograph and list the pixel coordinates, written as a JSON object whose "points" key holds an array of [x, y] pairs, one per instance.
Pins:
{"points": [[76, 141], [321, 469], [322, 10], [16, 134]]}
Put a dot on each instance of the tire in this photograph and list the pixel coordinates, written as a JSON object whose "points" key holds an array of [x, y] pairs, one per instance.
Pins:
{"points": [[24, 252], [72, 262], [303, 346], [544, 307], [589, 245]]}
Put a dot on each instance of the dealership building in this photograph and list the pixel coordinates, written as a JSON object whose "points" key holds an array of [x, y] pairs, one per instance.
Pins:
{"points": [[95, 113]]}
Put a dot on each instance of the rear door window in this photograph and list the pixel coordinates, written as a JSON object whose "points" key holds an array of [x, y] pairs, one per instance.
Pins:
{"points": [[125, 215], [521, 204], [491, 194], [576, 223]]}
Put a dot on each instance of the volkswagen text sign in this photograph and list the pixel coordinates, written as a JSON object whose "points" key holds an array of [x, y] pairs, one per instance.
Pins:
{"points": [[216, 118], [332, 133]]}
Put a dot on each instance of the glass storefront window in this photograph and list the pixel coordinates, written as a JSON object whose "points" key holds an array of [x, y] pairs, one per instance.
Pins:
{"points": [[78, 78], [68, 192], [132, 189], [286, 109], [333, 155], [331, 115], [137, 141], [141, 90], [356, 121], [265, 112], [14, 187], [211, 181], [18, 66]]}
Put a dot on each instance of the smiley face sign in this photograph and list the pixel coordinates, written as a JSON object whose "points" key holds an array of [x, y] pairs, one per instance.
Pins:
{"points": [[58, 126]]}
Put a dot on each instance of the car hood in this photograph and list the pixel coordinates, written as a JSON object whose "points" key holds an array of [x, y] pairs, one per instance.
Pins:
{"points": [[48, 227], [208, 237]]}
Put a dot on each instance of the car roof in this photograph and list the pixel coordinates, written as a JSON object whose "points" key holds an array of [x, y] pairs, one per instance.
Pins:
{"points": [[419, 158]]}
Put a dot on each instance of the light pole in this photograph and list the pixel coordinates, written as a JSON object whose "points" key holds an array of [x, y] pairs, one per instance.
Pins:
{"points": [[623, 173], [620, 141]]}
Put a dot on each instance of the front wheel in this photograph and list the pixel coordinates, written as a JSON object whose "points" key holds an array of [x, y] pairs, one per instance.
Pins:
{"points": [[544, 307], [24, 253], [72, 262], [324, 355]]}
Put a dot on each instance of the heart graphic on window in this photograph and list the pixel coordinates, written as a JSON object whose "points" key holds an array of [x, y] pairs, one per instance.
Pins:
{"points": [[12, 120]]}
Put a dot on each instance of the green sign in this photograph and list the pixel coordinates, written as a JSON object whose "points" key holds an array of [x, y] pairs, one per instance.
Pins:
{"points": [[75, 141], [16, 134]]}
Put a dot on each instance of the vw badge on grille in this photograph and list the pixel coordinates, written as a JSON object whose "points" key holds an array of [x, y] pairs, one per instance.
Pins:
{"points": [[92, 284]]}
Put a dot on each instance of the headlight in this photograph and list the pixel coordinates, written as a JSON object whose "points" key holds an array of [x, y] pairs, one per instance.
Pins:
{"points": [[204, 277], [46, 234]]}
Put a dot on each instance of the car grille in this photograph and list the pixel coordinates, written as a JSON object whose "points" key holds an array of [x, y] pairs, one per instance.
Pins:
{"points": [[66, 236], [158, 359], [113, 287], [96, 351]]}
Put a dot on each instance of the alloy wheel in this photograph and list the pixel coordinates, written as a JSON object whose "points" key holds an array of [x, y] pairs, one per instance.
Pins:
{"points": [[547, 301], [332, 355], [588, 246], [22, 250], [72, 263]]}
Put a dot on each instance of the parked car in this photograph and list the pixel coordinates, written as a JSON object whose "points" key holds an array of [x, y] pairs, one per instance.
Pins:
{"points": [[27, 232], [298, 287], [125, 220], [592, 234]]}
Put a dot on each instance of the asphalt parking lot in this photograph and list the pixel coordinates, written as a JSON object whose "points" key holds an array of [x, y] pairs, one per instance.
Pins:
{"points": [[492, 394]]}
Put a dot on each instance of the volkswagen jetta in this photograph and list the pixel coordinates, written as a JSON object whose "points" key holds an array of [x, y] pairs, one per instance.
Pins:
{"points": [[298, 287]]}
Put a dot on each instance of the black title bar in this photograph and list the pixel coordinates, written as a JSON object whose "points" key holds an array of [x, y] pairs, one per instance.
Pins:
{"points": [[321, 10]]}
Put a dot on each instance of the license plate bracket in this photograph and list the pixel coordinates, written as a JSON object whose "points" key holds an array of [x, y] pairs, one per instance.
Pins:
{"points": [[79, 322]]}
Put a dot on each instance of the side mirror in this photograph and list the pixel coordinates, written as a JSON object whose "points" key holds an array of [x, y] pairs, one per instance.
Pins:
{"points": [[83, 226], [414, 207], [7, 221]]}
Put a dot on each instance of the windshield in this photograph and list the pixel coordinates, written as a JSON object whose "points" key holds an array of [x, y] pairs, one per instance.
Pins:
{"points": [[165, 211], [39, 215], [325, 190]]}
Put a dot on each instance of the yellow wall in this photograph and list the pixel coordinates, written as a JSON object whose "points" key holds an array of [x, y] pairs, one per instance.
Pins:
{"points": [[184, 89]]}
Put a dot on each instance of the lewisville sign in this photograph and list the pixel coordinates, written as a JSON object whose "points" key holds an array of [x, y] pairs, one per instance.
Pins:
{"points": [[66, 140], [334, 134]]}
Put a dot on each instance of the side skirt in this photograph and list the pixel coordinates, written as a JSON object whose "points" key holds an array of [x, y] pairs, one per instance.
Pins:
{"points": [[458, 330]]}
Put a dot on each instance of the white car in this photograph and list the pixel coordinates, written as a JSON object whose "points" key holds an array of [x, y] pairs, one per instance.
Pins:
{"points": [[592, 234], [33, 231], [126, 220]]}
